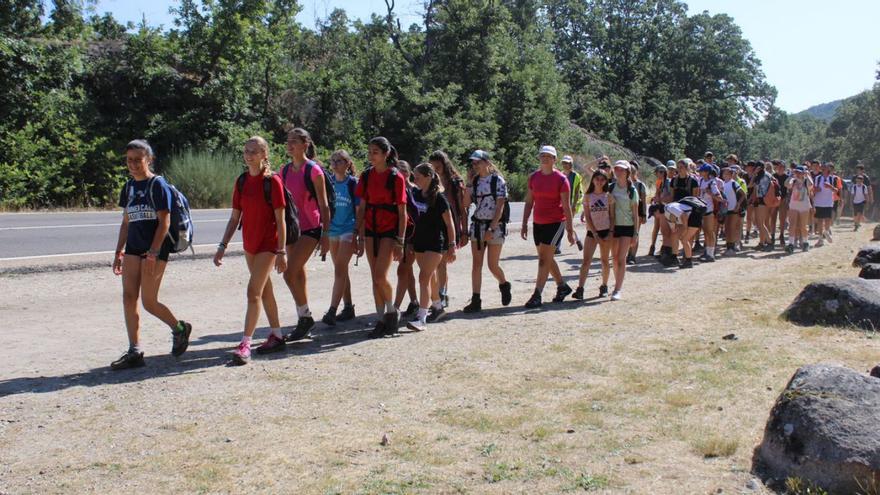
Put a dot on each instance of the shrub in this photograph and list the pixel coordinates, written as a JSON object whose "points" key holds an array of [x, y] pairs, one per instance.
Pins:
{"points": [[206, 178]]}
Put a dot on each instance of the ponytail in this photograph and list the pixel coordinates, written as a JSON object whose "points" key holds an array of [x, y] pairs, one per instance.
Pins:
{"points": [[304, 136], [434, 188]]}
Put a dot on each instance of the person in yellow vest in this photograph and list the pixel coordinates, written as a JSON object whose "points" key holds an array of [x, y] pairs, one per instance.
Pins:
{"points": [[574, 181]]}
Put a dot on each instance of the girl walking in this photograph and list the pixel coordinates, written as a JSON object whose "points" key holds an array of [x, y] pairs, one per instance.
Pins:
{"points": [[800, 208], [264, 233], [597, 213], [453, 188], [142, 250], [341, 235], [625, 213], [406, 280]]}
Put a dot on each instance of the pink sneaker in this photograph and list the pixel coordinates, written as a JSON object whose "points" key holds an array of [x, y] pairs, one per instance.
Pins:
{"points": [[272, 344], [242, 354]]}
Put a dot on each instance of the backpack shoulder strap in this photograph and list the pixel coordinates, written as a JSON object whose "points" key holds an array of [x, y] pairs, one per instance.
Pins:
{"points": [[150, 185], [267, 188], [239, 182], [493, 186], [392, 178], [284, 171]]}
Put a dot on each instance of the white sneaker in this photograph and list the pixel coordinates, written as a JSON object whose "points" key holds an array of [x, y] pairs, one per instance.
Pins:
{"points": [[417, 325], [615, 296]]}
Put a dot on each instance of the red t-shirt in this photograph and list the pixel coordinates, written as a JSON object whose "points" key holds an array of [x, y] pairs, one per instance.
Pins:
{"points": [[378, 193], [258, 229], [547, 196]]}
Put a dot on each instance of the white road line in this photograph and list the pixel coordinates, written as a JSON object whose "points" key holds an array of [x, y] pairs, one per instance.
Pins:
{"points": [[83, 225], [44, 256]]}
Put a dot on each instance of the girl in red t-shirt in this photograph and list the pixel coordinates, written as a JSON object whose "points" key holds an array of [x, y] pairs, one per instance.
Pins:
{"points": [[381, 227], [314, 222], [264, 232]]}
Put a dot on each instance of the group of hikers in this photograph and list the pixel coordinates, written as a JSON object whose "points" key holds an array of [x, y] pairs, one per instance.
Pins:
{"points": [[394, 213]]}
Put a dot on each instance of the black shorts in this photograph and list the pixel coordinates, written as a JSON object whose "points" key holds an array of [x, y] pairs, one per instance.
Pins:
{"points": [[313, 233], [603, 234], [548, 233], [624, 231], [695, 219], [823, 212], [858, 208], [421, 246], [164, 251], [391, 234], [656, 209]]}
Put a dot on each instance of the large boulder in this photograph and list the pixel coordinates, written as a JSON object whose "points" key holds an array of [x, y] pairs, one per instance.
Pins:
{"points": [[867, 255], [824, 429], [871, 271], [845, 302]]}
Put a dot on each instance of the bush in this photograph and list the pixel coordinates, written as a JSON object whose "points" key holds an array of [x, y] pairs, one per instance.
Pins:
{"points": [[206, 178]]}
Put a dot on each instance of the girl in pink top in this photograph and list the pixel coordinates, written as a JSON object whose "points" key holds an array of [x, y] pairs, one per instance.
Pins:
{"points": [[548, 195], [597, 215], [314, 222]]}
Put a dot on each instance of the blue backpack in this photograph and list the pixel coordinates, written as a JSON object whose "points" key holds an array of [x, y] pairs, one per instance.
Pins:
{"points": [[181, 229]]}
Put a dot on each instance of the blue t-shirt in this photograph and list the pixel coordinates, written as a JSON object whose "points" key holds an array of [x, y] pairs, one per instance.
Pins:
{"points": [[343, 220], [141, 206]]}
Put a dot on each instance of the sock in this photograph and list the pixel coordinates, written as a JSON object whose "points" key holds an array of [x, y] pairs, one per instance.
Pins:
{"points": [[276, 332], [389, 307], [380, 309], [246, 340], [303, 311], [437, 304], [178, 328], [134, 348], [422, 314]]}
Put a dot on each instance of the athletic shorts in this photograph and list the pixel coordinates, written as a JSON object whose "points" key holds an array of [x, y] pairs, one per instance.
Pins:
{"points": [[603, 234], [497, 237], [656, 209], [164, 251], [624, 231], [433, 246], [313, 233], [548, 233], [347, 237], [858, 208], [823, 212], [391, 234], [695, 219]]}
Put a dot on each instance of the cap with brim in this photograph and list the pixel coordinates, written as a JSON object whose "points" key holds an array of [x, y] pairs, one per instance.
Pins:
{"points": [[567, 159], [670, 163], [800, 168], [621, 164], [661, 168], [479, 155], [705, 168], [548, 150], [708, 153]]}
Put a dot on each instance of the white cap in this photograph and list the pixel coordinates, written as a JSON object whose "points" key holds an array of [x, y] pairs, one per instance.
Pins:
{"points": [[567, 159], [621, 164], [549, 150]]}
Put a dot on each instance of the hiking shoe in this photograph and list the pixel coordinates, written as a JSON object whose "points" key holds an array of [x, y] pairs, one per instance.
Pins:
{"points": [[417, 325], [615, 296], [436, 315], [603, 290], [130, 359], [729, 251], [506, 296], [392, 322], [630, 259], [768, 248], [651, 251], [180, 338], [703, 257], [578, 293], [805, 247], [820, 243], [697, 247], [329, 317], [789, 249], [411, 308], [242, 354], [475, 306], [303, 326], [534, 301], [687, 263], [709, 259], [346, 314], [272, 344], [378, 331], [561, 292]]}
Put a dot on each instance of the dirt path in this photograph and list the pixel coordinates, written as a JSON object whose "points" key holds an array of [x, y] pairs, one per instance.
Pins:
{"points": [[636, 396]]}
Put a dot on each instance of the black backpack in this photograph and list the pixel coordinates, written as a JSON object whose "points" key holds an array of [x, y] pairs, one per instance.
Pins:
{"points": [[329, 190], [291, 215], [493, 188]]}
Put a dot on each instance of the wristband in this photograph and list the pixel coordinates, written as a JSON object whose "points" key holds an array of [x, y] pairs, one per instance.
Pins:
{"points": [[222, 245], [280, 252]]}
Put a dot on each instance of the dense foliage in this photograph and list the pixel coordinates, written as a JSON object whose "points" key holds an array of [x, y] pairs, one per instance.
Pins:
{"points": [[503, 75]]}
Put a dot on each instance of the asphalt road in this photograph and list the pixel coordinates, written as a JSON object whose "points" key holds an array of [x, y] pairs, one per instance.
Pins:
{"points": [[58, 235]]}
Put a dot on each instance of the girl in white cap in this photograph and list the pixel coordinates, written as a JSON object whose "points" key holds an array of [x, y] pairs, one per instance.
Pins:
{"points": [[624, 214]]}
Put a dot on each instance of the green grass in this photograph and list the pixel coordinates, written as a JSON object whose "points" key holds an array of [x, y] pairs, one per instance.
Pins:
{"points": [[205, 178]]}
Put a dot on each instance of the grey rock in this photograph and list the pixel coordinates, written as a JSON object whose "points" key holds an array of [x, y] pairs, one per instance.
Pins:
{"points": [[871, 271], [823, 429], [847, 302], [867, 255]]}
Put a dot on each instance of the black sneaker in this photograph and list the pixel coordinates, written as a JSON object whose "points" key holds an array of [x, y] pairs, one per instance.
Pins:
{"points": [[534, 301], [603, 290], [651, 251], [378, 331], [346, 314], [181, 339], [578, 293], [506, 296], [768, 247], [475, 306], [697, 247], [392, 322], [436, 315], [411, 309], [329, 317], [687, 263], [805, 247], [303, 327], [630, 259], [128, 360], [561, 292]]}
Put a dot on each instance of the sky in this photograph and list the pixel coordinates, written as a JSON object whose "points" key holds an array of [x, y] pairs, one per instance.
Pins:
{"points": [[813, 51]]}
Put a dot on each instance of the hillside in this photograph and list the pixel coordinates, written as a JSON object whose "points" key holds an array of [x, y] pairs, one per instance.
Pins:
{"points": [[823, 111]]}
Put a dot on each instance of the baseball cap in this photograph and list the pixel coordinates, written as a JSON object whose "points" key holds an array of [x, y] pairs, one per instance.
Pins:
{"points": [[567, 159], [670, 163], [548, 150], [705, 168], [479, 155], [621, 164], [708, 153]]}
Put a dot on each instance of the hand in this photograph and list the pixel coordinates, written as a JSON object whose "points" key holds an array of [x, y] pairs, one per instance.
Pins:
{"points": [[150, 264], [583, 217], [281, 262], [397, 252], [488, 236], [325, 245], [117, 264], [450, 255], [359, 243], [218, 257], [463, 240], [571, 237], [524, 233], [644, 220]]}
